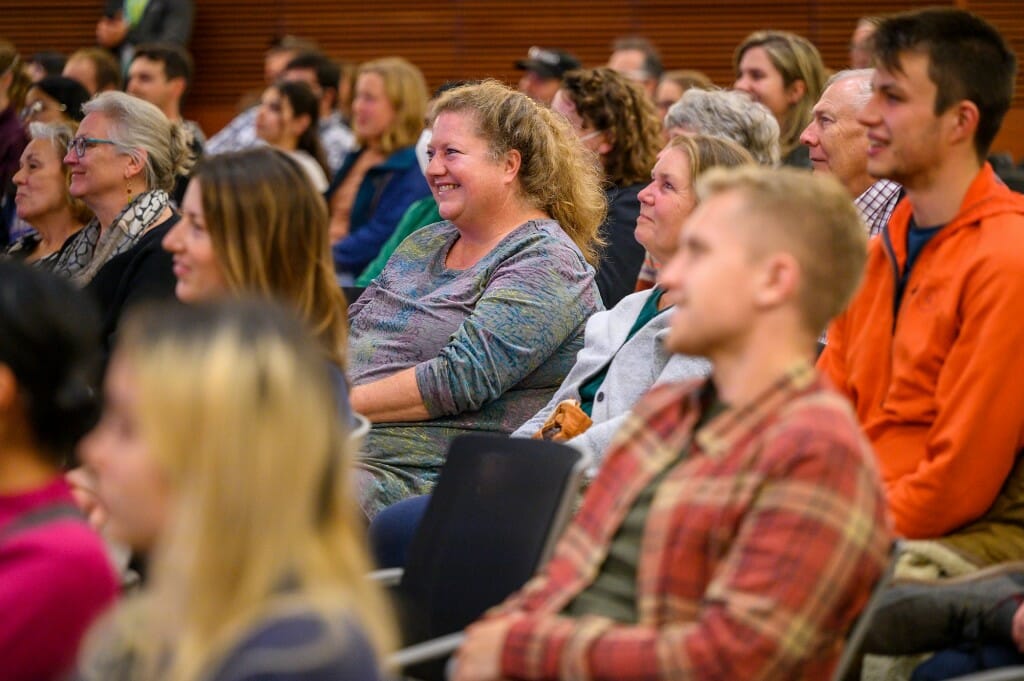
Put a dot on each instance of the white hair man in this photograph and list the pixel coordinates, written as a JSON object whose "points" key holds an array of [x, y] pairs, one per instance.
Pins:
{"points": [[839, 146]]}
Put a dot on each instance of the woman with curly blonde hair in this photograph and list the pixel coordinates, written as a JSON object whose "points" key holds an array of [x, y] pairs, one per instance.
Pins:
{"points": [[617, 122], [784, 72], [256, 557], [475, 320]]}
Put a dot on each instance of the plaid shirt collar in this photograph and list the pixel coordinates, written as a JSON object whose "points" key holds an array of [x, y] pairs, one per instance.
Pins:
{"points": [[877, 203], [722, 433]]}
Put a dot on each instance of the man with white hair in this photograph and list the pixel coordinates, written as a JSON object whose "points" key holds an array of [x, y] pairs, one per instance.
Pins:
{"points": [[839, 146]]}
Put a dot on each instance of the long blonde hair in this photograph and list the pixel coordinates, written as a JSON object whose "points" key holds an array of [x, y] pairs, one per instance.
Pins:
{"points": [[237, 411], [795, 58], [555, 175], [269, 231]]}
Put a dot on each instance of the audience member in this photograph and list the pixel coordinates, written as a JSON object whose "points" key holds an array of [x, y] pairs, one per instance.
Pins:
{"points": [[914, 351], [54, 574], [240, 132], [55, 99], [160, 75], [13, 85], [287, 120], [673, 84], [638, 60], [43, 199], [95, 68], [123, 162], [378, 183], [542, 70], [44, 64], [421, 213], [323, 76], [624, 351], [251, 224], [617, 123], [476, 320], [838, 145], [784, 72], [860, 42], [256, 557], [719, 113], [737, 524], [129, 23]]}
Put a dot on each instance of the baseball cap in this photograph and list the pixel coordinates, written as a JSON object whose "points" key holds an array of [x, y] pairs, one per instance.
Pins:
{"points": [[548, 63]]}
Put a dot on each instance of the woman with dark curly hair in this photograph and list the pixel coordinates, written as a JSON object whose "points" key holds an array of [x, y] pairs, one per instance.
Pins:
{"points": [[615, 120]]}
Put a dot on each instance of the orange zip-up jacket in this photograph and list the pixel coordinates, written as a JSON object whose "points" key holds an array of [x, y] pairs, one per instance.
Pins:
{"points": [[938, 383]]}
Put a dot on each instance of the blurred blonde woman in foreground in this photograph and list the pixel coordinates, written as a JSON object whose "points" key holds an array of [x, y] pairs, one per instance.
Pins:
{"points": [[236, 485]]}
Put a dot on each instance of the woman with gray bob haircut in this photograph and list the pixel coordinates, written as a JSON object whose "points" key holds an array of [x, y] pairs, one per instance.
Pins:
{"points": [[730, 114], [122, 164]]}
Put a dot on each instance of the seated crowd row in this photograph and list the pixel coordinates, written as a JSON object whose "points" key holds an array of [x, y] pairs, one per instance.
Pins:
{"points": [[545, 263]]}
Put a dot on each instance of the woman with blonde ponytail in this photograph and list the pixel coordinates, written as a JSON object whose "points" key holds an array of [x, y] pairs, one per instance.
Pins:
{"points": [[236, 485]]}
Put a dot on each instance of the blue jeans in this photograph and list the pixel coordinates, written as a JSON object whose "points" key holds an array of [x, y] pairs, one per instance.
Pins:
{"points": [[392, 530]]}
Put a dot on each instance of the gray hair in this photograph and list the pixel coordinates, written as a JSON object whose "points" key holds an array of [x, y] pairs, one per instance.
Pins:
{"points": [[863, 77], [732, 115], [138, 126], [59, 134]]}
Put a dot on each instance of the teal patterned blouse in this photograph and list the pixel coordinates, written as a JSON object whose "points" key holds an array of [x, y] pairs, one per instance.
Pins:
{"points": [[490, 344]]}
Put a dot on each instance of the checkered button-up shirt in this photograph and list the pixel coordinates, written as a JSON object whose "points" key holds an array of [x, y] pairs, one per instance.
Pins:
{"points": [[877, 203], [759, 549]]}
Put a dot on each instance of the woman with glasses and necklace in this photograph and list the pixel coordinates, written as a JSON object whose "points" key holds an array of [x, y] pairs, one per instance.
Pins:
{"points": [[123, 164]]}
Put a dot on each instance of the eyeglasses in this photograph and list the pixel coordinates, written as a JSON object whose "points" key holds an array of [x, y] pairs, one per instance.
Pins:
{"points": [[37, 107], [80, 144]]}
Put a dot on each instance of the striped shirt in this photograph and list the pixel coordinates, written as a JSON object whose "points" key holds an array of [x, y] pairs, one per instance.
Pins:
{"points": [[760, 547]]}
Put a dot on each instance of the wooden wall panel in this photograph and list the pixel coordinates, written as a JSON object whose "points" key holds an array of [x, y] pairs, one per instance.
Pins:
{"points": [[483, 38]]}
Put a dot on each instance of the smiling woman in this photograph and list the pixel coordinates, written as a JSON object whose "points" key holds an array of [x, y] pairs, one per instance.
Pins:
{"points": [[123, 162], [475, 320]]}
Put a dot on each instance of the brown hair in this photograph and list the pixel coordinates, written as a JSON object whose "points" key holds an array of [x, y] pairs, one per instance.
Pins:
{"points": [[795, 58], [609, 102], [269, 230]]}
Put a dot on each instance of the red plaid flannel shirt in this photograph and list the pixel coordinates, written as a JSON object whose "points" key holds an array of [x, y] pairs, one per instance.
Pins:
{"points": [[760, 548]]}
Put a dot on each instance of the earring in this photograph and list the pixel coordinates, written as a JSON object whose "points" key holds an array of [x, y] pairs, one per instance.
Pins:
{"points": [[128, 187]]}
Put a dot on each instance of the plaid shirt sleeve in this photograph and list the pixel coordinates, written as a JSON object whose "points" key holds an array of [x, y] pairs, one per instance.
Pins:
{"points": [[802, 560]]}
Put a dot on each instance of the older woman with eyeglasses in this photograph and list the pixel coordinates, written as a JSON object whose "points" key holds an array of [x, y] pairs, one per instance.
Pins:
{"points": [[123, 164]]}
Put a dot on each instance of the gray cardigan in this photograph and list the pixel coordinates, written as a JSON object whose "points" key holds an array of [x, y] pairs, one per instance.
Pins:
{"points": [[635, 366]]}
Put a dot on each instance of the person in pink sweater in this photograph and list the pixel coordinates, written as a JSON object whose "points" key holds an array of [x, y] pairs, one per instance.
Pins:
{"points": [[54, 574]]}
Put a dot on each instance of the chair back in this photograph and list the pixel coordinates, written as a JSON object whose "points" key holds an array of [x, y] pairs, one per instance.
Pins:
{"points": [[492, 520], [852, 659]]}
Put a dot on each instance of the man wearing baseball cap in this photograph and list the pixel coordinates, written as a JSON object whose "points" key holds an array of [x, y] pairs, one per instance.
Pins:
{"points": [[544, 69]]}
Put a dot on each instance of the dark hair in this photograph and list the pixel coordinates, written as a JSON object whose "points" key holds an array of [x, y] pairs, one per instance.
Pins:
{"points": [[176, 59], [328, 72], [304, 103], [652, 60], [52, 63], [49, 339], [967, 59]]}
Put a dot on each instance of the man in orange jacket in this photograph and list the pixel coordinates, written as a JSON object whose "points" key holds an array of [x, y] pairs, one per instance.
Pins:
{"points": [[931, 350]]}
